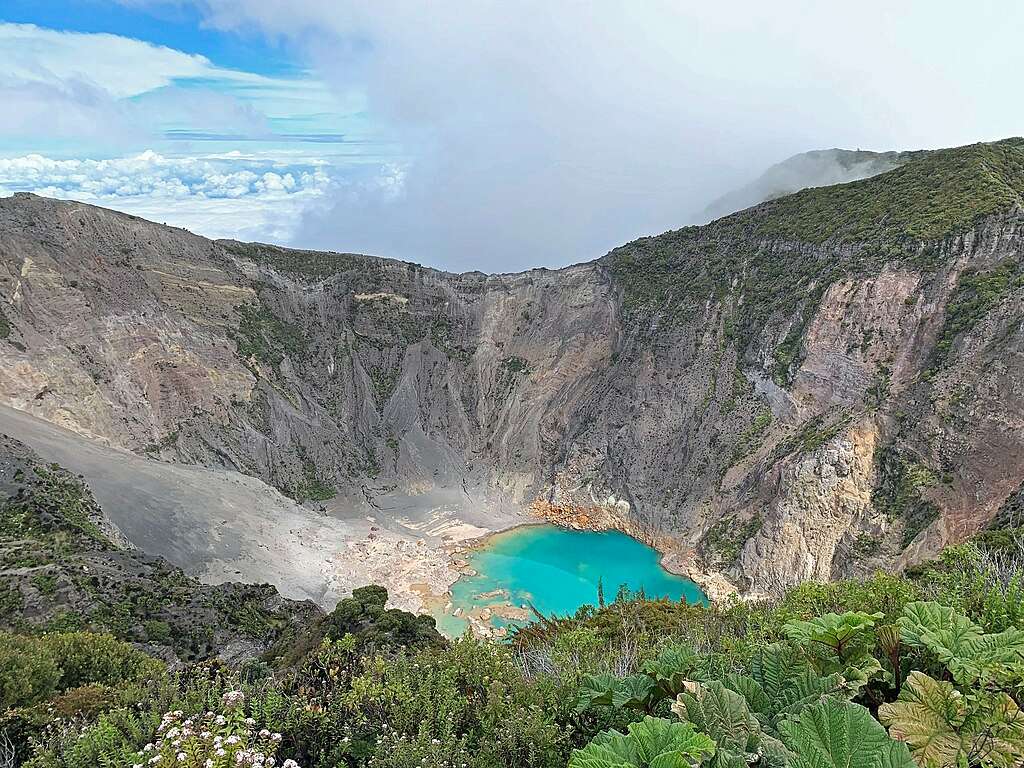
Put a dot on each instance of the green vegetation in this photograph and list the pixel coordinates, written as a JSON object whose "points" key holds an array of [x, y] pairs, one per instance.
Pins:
{"points": [[60, 662], [898, 493], [814, 433], [515, 365], [442, 336], [976, 294], [878, 392], [265, 337], [166, 441], [310, 264], [750, 438], [5, 326], [934, 195], [777, 260], [890, 672], [740, 388], [59, 572], [786, 354], [310, 487], [57, 511], [723, 542], [314, 489], [365, 618]]}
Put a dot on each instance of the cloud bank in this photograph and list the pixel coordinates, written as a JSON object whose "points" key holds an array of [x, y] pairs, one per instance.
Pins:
{"points": [[544, 133], [102, 91], [157, 132], [226, 196]]}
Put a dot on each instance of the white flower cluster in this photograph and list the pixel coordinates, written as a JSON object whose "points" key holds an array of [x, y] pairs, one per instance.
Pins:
{"points": [[212, 740]]}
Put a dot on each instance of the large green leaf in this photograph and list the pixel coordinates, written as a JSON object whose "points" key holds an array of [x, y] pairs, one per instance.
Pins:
{"points": [[774, 753], [835, 631], [945, 728], [724, 716], [774, 666], [610, 749], [924, 618], [597, 690], [809, 688], [996, 658], [658, 738], [750, 689], [999, 739], [839, 642], [838, 734], [674, 666], [790, 693], [929, 716], [961, 645], [651, 743], [633, 692], [591, 757]]}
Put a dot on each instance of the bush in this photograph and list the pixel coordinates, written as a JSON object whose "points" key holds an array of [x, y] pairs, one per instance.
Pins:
{"points": [[27, 675], [759, 679], [113, 740], [365, 617], [467, 704], [228, 740], [883, 592], [85, 658]]}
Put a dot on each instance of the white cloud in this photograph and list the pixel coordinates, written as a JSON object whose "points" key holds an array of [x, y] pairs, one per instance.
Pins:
{"points": [[106, 91], [118, 65], [74, 110], [254, 198], [545, 132]]}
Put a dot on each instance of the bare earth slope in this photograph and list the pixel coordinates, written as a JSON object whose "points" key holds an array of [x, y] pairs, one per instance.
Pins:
{"points": [[822, 384]]}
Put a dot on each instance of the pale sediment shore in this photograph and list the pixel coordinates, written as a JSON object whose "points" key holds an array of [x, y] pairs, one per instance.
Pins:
{"points": [[417, 554]]}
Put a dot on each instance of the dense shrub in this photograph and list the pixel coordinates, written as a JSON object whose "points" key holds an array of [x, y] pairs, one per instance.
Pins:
{"points": [[365, 617], [634, 682], [85, 659], [26, 675]]}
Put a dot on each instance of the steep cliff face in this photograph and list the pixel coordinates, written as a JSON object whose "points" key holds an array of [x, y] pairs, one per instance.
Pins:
{"points": [[816, 386]]}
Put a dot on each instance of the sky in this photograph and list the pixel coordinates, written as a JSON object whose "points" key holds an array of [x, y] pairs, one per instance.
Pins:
{"points": [[475, 134]]}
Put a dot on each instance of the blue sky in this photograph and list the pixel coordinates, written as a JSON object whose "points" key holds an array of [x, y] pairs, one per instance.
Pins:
{"points": [[175, 26], [475, 135], [148, 110]]}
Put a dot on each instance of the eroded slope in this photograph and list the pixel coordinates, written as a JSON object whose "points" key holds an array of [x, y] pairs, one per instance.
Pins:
{"points": [[820, 384]]}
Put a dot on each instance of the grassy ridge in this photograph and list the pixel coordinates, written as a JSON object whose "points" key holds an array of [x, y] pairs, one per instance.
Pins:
{"points": [[934, 195], [772, 254]]}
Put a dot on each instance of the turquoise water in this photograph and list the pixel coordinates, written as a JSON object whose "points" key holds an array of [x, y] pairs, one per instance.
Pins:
{"points": [[558, 570]]}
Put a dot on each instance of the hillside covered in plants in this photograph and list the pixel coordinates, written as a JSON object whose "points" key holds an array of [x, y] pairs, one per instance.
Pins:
{"points": [[924, 670]]}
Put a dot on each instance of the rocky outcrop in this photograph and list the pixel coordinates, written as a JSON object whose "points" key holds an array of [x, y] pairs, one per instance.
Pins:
{"points": [[816, 387]]}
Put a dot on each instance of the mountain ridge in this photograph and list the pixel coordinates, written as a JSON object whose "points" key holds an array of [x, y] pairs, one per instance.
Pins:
{"points": [[816, 168], [767, 391]]}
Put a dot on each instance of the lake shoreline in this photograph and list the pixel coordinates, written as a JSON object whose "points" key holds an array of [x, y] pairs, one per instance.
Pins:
{"points": [[487, 601], [676, 556]]}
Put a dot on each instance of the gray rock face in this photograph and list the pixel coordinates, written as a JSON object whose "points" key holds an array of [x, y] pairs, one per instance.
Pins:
{"points": [[382, 381]]}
